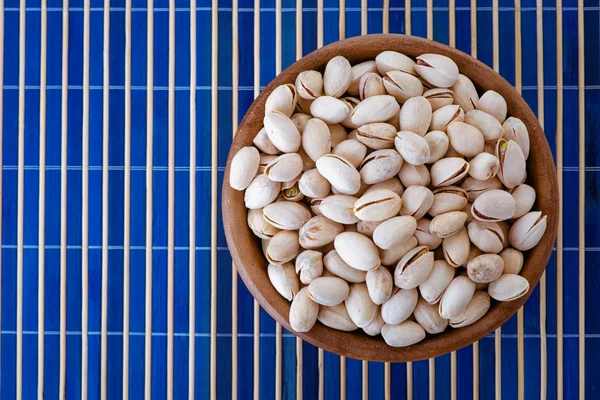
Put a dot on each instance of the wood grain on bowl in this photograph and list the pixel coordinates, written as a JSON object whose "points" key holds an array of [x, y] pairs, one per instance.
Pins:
{"points": [[252, 265]]}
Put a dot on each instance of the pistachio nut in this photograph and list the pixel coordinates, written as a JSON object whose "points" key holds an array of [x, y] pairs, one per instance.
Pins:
{"points": [[371, 84], [259, 226], [512, 163], [374, 328], [309, 84], [261, 192], [316, 140], [330, 109], [513, 260], [340, 173], [446, 199], [392, 256], [328, 291], [414, 268], [402, 335], [307, 162], [393, 232], [514, 129], [528, 230], [436, 283], [416, 201], [357, 72], [453, 153], [360, 307], [336, 317], [492, 103], [490, 147], [286, 215], [303, 105], [334, 264], [264, 160], [284, 168], [412, 147], [367, 228], [264, 144], [437, 69], [442, 117], [375, 109], [377, 205], [357, 250], [300, 119], [282, 132], [508, 287], [484, 166], [380, 284], [438, 143], [290, 190], [475, 187], [414, 175], [477, 308], [457, 297], [377, 135], [315, 206], [399, 306], [465, 94], [524, 196], [337, 134], [303, 312], [424, 236], [313, 184], [493, 206], [380, 166], [244, 167], [489, 126], [393, 61], [415, 115], [282, 99], [309, 265], [428, 317], [352, 135], [447, 224], [352, 103], [337, 76], [485, 268], [487, 236], [402, 85], [319, 231], [456, 248], [467, 210], [465, 139], [339, 208], [448, 171], [363, 188], [392, 184], [284, 279], [283, 247], [439, 97]]}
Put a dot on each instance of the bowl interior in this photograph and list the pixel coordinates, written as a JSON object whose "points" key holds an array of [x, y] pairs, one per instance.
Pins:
{"points": [[246, 250]]}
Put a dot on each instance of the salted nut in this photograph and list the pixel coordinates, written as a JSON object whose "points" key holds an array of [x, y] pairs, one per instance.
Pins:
{"points": [[340, 173], [447, 224], [439, 97], [412, 147], [243, 168], [444, 116], [402, 85], [465, 94], [436, 283], [477, 308], [415, 115], [414, 268], [361, 308], [416, 201], [357, 250], [284, 279], [447, 199], [377, 205], [436, 69], [377, 135], [380, 166], [405, 334], [485, 268], [427, 316], [399, 306], [508, 287], [282, 99], [527, 231], [388, 61], [494, 206], [351, 150]]}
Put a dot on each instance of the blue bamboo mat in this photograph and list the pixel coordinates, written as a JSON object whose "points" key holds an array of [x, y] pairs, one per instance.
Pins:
{"points": [[536, 355]]}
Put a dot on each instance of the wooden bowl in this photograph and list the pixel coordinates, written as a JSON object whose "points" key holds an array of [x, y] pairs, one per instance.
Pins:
{"points": [[246, 249]]}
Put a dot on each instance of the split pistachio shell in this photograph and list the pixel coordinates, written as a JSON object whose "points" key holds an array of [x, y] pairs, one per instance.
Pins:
{"points": [[494, 104], [300, 119], [453, 153], [465, 139], [259, 226], [395, 121], [284, 168], [334, 264], [357, 72], [340, 173], [439, 97], [392, 184], [337, 76], [380, 166], [399, 306], [330, 110], [316, 140], [402, 335], [441, 118], [264, 144], [428, 317], [493, 206], [505, 231], [414, 268], [392, 256], [319, 231], [402, 85], [486, 268], [436, 283], [487, 236], [309, 85], [424, 236], [315, 206], [336, 317], [514, 129], [394, 232], [457, 297], [367, 228], [527, 231], [328, 291], [282, 99], [448, 171], [290, 190], [446, 199], [456, 248], [264, 160], [371, 84], [380, 284], [513, 260], [416, 201], [477, 308], [352, 103], [475, 187], [282, 132], [375, 109], [261, 192], [465, 94], [438, 143], [448, 224], [393, 61], [286, 215], [377, 205], [351, 150], [415, 115], [284, 279], [524, 196], [313, 184], [489, 126], [484, 166], [339, 208], [283, 247], [467, 210], [309, 265], [360, 307], [307, 162], [437, 69], [508, 287], [512, 163], [244, 167], [374, 328], [337, 134], [377, 135], [357, 250], [303, 312], [412, 147], [303, 105], [414, 175]]}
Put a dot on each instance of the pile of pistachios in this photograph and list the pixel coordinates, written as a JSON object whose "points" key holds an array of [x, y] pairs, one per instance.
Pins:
{"points": [[390, 196]]}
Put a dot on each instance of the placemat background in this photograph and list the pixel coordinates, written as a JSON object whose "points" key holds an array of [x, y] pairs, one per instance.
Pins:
{"points": [[80, 237]]}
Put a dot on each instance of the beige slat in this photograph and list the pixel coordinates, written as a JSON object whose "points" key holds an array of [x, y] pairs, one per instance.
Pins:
{"points": [[342, 20], [430, 19], [581, 116], [321, 373], [320, 12], [474, 28], [452, 22], [342, 377], [453, 382], [386, 16], [431, 367], [234, 125], [365, 380], [364, 16], [387, 380], [476, 370], [407, 17]]}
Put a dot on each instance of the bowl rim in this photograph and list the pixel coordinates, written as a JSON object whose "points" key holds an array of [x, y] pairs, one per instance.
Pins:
{"points": [[245, 248]]}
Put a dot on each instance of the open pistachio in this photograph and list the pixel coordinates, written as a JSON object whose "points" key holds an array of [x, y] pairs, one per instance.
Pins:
{"points": [[313, 184], [328, 291], [261, 192], [380, 166], [477, 308], [259, 226], [528, 230], [357, 72], [489, 126], [412, 147], [414, 175], [351, 150], [439, 97], [436, 283], [375, 109], [337, 76], [307, 162], [264, 160], [392, 256], [512, 163], [393, 61], [367, 228], [457, 297], [494, 104], [284, 168], [485, 268], [339, 208], [467, 210], [286, 215], [465, 94], [334, 264], [465, 139], [514, 129], [493, 206], [357, 250], [300, 119], [378, 135], [437, 69], [282, 99], [316, 139], [303, 105], [448, 171], [392, 184], [371, 84], [447, 224], [508, 287], [290, 190], [330, 109], [446, 199], [402, 335], [284, 279], [303, 312], [380, 284], [377, 205], [414, 268], [513, 260], [442, 117], [309, 85], [374, 328], [487, 236], [524, 196], [309, 265], [283, 247], [438, 143], [475, 187], [402, 85], [415, 115], [394, 232], [456, 248], [360, 307], [428, 317], [337, 133], [399, 306], [282, 132], [340, 173], [484, 166], [416, 201], [336, 317], [244, 167], [424, 236], [264, 144], [319, 231], [352, 103]]}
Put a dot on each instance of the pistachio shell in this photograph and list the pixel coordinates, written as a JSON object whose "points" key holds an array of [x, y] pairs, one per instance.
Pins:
{"points": [[457, 297], [524, 196], [351, 150], [512, 163], [493, 206], [465, 94], [528, 230], [337, 133], [330, 109], [392, 256], [316, 140], [244, 166], [475, 187], [264, 144], [357, 250], [402, 335], [377, 205], [441, 118], [492, 103], [360, 307], [367, 228], [393, 232], [300, 119], [284, 168], [487, 236], [439, 97], [414, 268], [282, 99], [467, 210], [309, 265], [290, 190], [336, 317], [438, 143], [399, 306], [303, 312], [414, 175], [437, 69], [448, 171], [402, 85], [307, 162], [447, 224], [340, 173], [284, 279], [260, 227], [264, 160], [412, 147], [427, 316], [415, 115], [446, 199], [334, 264], [424, 236], [303, 105], [508, 287], [282, 132], [371, 84], [380, 166], [328, 291], [286, 215], [485, 268], [484, 166], [357, 72], [375, 109], [477, 308], [261, 192], [416, 201], [315, 206], [393, 61], [436, 283], [352, 103], [283, 247], [378, 135], [309, 84], [337, 76], [374, 328], [513, 260], [489, 126], [313, 184], [319, 231], [465, 139], [514, 129], [392, 184], [380, 284], [456, 248], [339, 208]]}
